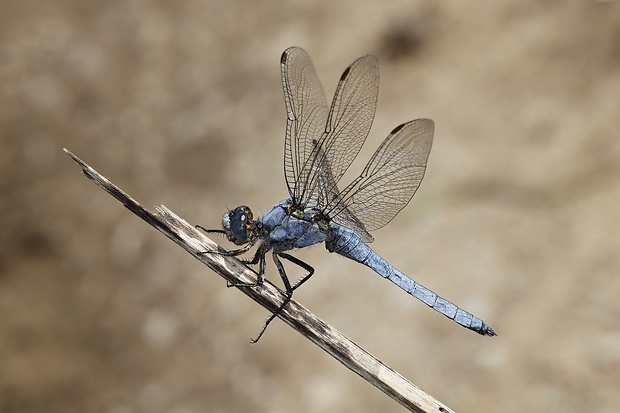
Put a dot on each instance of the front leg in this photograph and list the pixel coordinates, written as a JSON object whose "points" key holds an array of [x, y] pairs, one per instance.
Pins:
{"points": [[231, 253], [224, 252], [259, 258]]}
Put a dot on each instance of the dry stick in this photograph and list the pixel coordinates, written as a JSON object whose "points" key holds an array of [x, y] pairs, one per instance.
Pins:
{"points": [[294, 314]]}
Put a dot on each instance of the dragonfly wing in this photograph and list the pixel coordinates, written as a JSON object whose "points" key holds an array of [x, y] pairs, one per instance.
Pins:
{"points": [[329, 194], [350, 118], [306, 116], [318, 140], [389, 180]]}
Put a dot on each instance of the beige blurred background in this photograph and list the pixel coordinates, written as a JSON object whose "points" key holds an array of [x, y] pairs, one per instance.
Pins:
{"points": [[180, 104]]}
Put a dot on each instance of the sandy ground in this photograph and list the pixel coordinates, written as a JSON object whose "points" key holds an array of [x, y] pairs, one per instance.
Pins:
{"points": [[180, 104]]}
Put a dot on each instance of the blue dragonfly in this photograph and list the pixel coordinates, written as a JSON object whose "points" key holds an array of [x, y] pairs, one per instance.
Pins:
{"points": [[321, 143]]}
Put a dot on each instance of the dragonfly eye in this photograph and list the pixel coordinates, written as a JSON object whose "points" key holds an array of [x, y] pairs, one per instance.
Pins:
{"points": [[238, 224]]}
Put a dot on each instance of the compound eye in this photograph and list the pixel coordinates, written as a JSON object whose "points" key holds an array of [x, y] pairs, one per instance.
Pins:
{"points": [[240, 224]]}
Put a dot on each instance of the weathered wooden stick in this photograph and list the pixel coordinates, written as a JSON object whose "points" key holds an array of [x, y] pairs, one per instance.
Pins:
{"points": [[270, 297]]}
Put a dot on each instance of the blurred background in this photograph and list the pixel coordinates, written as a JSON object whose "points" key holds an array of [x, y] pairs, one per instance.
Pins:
{"points": [[180, 103]]}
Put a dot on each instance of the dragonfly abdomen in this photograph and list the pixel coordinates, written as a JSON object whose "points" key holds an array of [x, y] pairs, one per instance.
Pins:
{"points": [[348, 244]]}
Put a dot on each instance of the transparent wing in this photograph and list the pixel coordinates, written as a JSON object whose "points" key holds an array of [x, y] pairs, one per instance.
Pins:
{"points": [[388, 182], [329, 194], [320, 142], [306, 113], [350, 117]]}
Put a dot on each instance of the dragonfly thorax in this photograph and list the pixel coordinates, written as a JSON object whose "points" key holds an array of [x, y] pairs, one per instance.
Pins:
{"points": [[238, 225], [321, 220], [295, 210]]}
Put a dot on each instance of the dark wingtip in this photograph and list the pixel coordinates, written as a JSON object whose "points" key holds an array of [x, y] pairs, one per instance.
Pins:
{"points": [[345, 73], [396, 129]]}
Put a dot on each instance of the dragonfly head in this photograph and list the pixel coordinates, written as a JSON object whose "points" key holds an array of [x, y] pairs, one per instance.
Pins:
{"points": [[238, 225]]}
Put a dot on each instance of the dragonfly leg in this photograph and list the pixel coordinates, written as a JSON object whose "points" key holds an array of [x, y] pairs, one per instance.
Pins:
{"points": [[260, 253], [288, 293], [302, 264], [259, 258], [228, 253], [222, 251], [215, 231]]}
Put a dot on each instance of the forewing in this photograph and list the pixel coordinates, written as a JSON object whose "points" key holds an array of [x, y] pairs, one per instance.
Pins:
{"points": [[350, 118], [306, 112], [389, 180]]}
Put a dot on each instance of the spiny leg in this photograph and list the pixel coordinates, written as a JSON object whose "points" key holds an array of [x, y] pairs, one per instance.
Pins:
{"points": [[215, 231], [230, 253], [287, 285], [302, 264], [227, 253], [259, 258]]}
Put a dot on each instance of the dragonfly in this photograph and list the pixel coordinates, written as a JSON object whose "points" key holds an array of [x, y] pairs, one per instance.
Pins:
{"points": [[320, 144]]}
